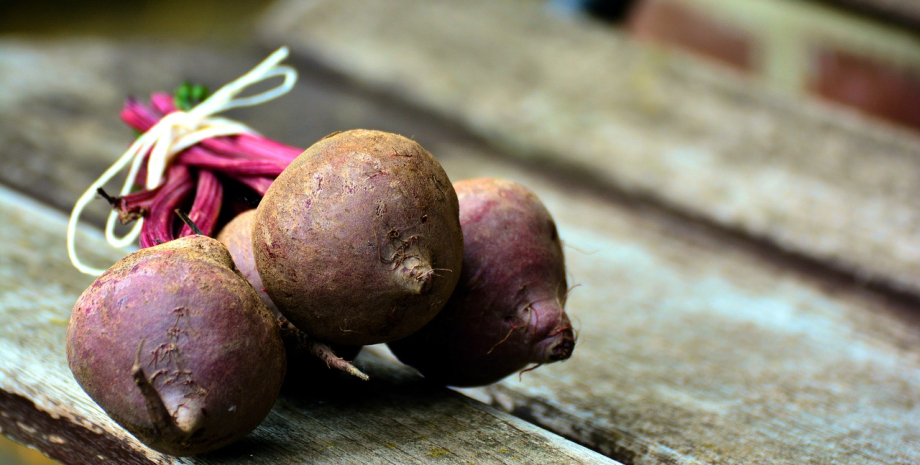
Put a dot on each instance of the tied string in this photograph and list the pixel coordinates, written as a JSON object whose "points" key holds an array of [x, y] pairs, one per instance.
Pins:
{"points": [[172, 134]]}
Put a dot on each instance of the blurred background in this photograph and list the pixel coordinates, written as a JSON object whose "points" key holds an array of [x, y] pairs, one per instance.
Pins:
{"points": [[858, 54], [862, 54]]}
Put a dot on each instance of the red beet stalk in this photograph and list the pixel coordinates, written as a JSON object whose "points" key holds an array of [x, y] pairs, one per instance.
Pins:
{"points": [[202, 178]]}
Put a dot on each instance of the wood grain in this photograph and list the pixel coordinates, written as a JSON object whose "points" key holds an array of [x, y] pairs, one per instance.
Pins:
{"points": [[696, 348], [586, 101]]}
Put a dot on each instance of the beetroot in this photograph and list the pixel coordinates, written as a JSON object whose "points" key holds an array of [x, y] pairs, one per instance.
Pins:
{"points": [[507, 310], [175, 345], [237, 236], [358, 241]]}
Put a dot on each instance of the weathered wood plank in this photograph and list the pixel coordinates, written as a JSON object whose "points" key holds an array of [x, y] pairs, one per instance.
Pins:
{"points": [[697, 348], [394, 418], [593, 104]]}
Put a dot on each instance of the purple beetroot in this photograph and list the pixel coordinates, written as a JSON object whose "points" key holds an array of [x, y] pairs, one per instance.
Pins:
{"points": [[237, 236], [358, 240], [175, 345], [507, 311]]}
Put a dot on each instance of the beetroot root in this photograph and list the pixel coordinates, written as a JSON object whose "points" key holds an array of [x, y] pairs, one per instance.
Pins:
{"points": [[175, 345], [313, 362], [507, 311], [358, 241]]}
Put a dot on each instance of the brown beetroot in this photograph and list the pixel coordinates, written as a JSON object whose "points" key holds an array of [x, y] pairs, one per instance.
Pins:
{"points": [[175, 345], [358, 241], [507, 311]]}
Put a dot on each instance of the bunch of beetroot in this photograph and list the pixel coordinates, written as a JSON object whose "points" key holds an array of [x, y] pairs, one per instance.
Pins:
{"points": [[361, 239]]}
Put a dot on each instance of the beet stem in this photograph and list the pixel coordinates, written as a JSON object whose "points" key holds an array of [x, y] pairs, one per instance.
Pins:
{"points": [[188, 222], [171, 132], [108, 198]]}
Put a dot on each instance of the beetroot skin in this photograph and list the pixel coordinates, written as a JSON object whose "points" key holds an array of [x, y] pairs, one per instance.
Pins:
{"points": [[358, 241], [507, 310], [175, 345], [237, 236]]}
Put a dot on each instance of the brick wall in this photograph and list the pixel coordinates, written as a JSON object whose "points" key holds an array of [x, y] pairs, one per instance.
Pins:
{"points": [[803, 47]]}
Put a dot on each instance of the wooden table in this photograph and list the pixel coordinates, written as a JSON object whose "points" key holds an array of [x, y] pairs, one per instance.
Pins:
{"points": [[708, 333]]}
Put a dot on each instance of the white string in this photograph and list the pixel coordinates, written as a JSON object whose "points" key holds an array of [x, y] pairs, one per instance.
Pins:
{"points": [[174, 133]]}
